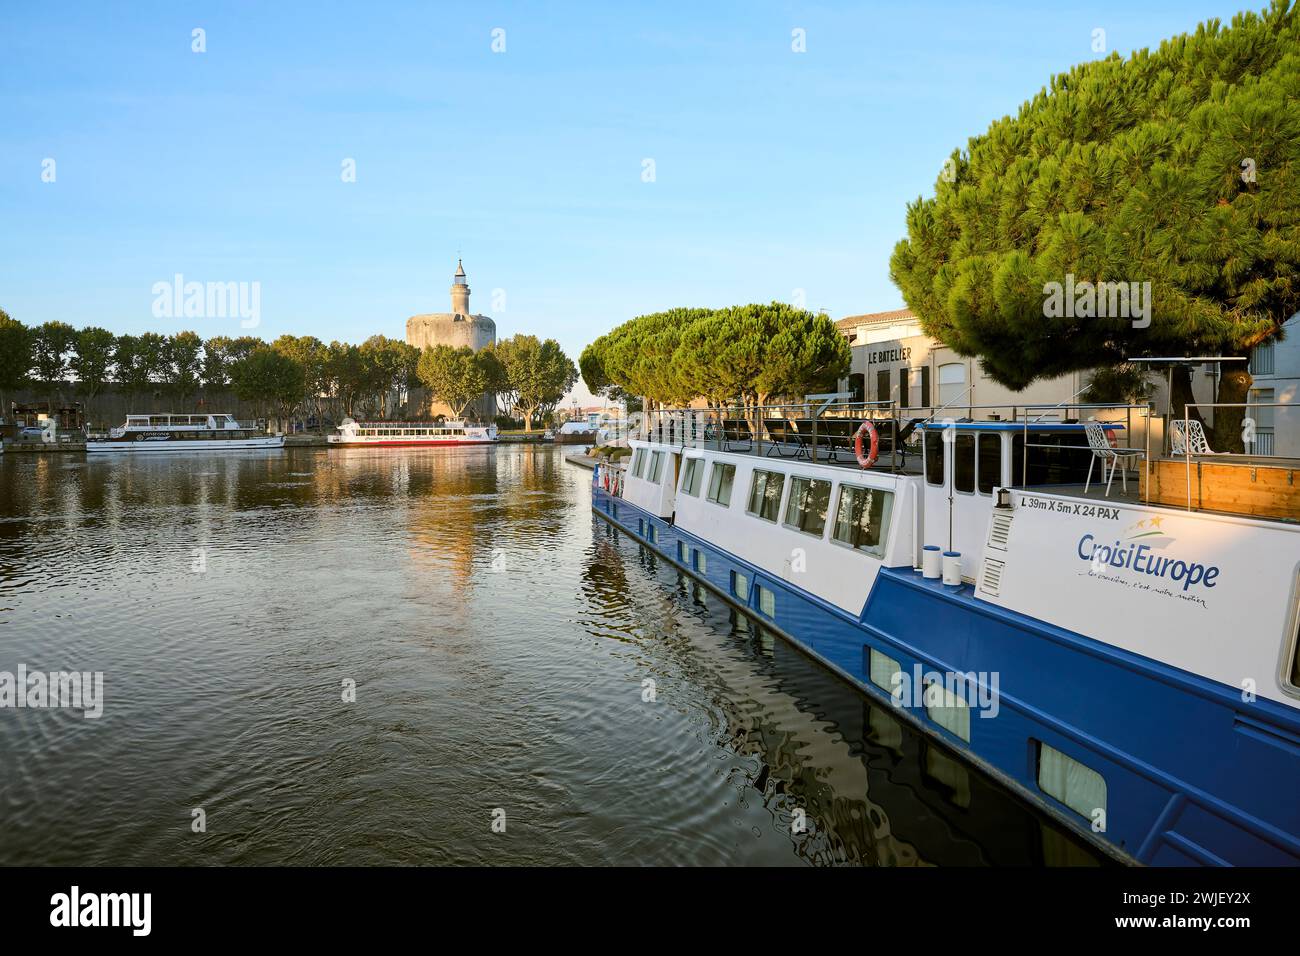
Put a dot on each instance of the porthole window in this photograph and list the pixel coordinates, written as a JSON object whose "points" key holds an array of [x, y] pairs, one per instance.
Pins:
{"points": [[1076, 785], [881, 669], [947, 709]]}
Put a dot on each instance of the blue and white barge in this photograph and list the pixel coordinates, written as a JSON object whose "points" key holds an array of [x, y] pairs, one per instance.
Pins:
{"points": [[1130, 667]]}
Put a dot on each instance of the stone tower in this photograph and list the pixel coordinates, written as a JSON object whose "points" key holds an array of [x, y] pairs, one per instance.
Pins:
{"points": [[457, 328]]}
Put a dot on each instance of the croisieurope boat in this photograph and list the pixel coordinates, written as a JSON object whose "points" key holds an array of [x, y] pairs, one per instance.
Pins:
{"points": [[168, 433], [1118, 649], [413, 433]]}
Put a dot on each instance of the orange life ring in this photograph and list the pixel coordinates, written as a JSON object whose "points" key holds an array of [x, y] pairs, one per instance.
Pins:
{"points": [[866, 428]]}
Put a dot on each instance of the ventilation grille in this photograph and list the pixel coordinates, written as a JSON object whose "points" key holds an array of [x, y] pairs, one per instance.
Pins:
{"points": [[991, 576], [1000, 530]]}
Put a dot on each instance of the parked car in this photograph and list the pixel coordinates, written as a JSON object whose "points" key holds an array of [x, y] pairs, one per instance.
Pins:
{"points": [[31, 433]]}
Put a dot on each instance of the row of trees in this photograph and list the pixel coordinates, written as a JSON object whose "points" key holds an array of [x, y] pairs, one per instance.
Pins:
{"points": [[291, 374], [1179, 167], [746, 353], [526, 374]]}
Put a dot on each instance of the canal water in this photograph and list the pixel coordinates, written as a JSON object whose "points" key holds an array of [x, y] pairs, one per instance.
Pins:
{"points": [[414, 656]]}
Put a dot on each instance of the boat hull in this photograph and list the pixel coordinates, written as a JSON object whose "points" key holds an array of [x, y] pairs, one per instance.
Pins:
{"points": [[1193, 775], [182, 446], [413, 443]]}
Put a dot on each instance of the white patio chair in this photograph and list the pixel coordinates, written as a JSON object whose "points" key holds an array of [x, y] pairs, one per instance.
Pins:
{"points": [[1195, 435], [1104, 451]]}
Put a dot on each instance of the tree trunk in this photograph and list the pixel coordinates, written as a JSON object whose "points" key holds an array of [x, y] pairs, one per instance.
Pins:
{"points": [[1234, 389], [1182, 394]]}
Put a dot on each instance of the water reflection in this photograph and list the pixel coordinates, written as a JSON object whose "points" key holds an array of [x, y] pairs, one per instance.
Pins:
{"points": [[499, 640]]}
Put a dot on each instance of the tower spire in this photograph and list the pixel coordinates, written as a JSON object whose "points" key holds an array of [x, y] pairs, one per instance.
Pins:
{"points": [[459, 291]]}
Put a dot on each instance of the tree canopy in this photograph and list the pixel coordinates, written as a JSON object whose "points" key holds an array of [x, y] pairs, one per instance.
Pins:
{"points": [[1178, 167], [534, 374], [744, 353], [457, 376]]}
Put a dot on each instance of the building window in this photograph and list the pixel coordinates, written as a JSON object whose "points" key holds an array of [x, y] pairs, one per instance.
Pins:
{"points": [[810, 502], [720, 481], [1261, 412], [765, 494], [740, 585], [914, 384], [701, 561], [882, 385], [881, 669], [1261, 359], [990, 462], [638, 463], [862, 518], [656, 466], [948, 710], [1079, 787], [766, 601], [691, 476], [952, 382], [933, 456], [963, 462]]}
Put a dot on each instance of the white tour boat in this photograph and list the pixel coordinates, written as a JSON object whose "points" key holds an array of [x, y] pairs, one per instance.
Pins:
{"points": [[168, 432], [413, 433]]}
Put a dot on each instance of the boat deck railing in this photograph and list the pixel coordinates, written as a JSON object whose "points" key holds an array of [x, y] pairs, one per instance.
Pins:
{"points": [[1050, 458]]}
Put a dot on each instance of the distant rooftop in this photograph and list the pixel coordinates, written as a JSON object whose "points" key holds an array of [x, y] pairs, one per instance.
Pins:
{"points": [[876, 318]]}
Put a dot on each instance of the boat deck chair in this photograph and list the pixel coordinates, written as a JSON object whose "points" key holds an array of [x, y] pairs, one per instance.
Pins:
{"points": [[783, 435], [736, 435], [1105, 452], [1195, 437]]}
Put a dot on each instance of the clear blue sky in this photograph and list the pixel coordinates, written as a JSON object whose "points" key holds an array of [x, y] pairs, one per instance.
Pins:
{"points": [[774, 170]]}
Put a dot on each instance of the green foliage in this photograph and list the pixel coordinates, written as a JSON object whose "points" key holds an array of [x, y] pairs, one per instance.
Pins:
{"points": [[215, 372], [93, 362], [51, 344], [1180, 167], [1125, 383], [456, 376], [181, 363], [268, 380], [15, 353], [534, 374], [744, 353]]}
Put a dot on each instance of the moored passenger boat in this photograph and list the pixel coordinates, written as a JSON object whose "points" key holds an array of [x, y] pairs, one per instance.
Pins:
{"points": [[413, 433], [1130, 667], [168, 432]]}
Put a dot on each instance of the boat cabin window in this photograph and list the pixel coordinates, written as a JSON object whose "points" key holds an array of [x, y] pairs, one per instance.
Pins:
{"points": [[862, 518], [656, 466], [810, 502], [933, 456], [963, 462], [989, 466], [721, 479], [765, 494], [691, 476], [638, 463], [1055, 458], [740, 585]]}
